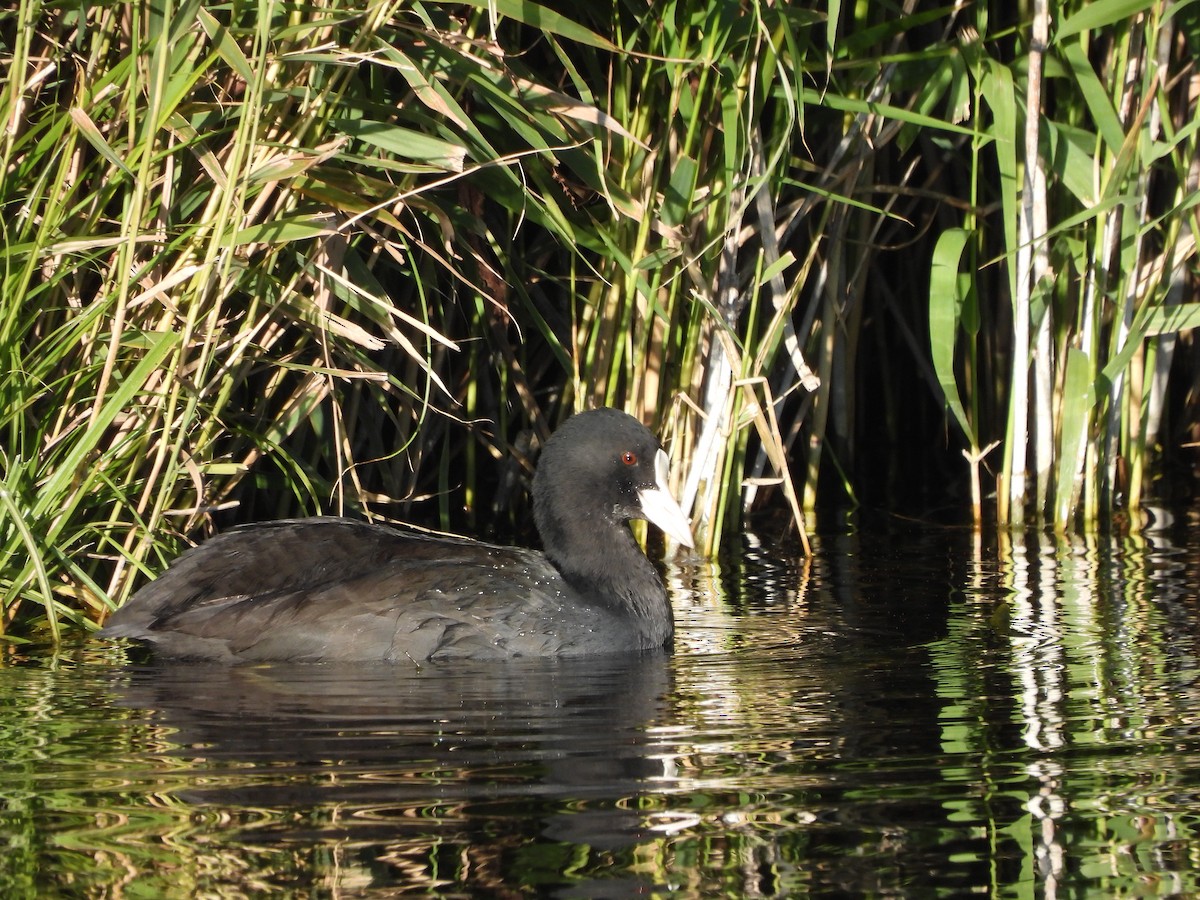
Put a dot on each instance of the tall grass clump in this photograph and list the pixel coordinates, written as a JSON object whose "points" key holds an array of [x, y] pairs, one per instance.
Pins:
{"points": [[244, 253], [1086, 144], [685, 308], [277, 260]]}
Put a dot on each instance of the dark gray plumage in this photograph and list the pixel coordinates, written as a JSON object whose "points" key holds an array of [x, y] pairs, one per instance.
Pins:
{"points": [[336, 589]]}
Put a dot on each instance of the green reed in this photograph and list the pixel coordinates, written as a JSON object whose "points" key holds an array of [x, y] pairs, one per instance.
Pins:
{"points": [[230, 262], [281, 260], [1096, 192]]}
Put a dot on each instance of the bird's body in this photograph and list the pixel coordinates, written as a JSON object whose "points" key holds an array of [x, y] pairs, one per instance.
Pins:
{"points": [[336, 589]]}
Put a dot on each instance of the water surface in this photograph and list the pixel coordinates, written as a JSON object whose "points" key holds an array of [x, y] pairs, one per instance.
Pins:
{"points": [[909, 714]]}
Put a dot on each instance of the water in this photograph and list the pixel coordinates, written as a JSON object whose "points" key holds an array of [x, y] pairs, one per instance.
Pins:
{"points": [[908, 715]]}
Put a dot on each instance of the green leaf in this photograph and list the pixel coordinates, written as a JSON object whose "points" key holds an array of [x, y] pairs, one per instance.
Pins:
{"points": [[33, 558], [1000, 96], [775, 268], [428, 90], [1171, 319], [1099, 104], [227, 48], [282, 231], [677, 200], [1098, 14], [94, 137], [405, 142], [831, 25], [944, 305], [75, 461], [658, 258], [1072, 161], [541, 18], [1078, 398], [897, 113], [1150, 322]]}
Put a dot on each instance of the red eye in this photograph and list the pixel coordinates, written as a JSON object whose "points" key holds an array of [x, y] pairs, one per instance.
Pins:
{"points": [[629, 458]]}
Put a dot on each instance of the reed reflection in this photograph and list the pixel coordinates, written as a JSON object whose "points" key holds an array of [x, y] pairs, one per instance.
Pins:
{"points": [[1089, 641]]}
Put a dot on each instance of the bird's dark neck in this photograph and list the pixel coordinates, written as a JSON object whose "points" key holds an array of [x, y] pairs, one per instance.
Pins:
{"points": [[606, 566]]}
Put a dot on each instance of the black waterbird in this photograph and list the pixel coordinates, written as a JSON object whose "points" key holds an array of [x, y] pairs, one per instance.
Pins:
{"points": [[337, 589]]}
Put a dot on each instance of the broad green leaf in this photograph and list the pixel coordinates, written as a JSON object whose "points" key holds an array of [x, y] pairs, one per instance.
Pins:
{"points": [[658, 258], [431, 89], [944, 78], [1150, 322], [1095, 95], [677, 200], [502, 102], [1000, 96], [1171, 319], [93, 136], [775, 268], [227, 48], [541, 18], [847, 200], [831, 28], [944, 304], [282, 231], [33, 559], [860, 43], [541, 99], [1102, 206], [427, 90], [1072, 160], [1078, 399], [1098, 14], [405, 142]]}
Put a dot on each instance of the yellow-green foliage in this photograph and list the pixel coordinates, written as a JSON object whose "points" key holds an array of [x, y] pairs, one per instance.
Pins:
{"points": [[281, 259]]}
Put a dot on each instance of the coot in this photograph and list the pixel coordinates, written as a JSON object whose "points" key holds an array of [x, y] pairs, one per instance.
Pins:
{"points": [[337, 589]]}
